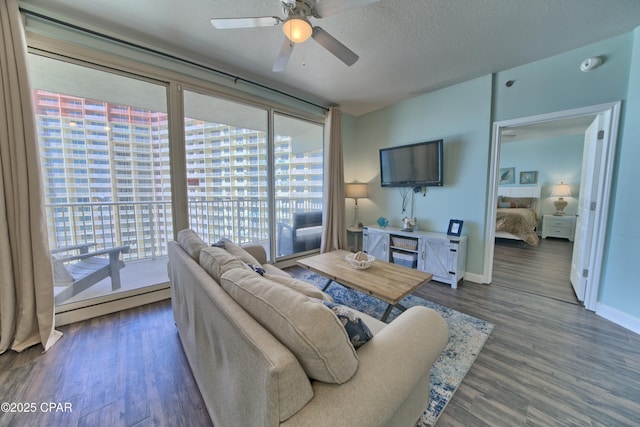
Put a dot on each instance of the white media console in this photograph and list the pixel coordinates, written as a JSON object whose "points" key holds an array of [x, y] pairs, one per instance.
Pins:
{"points": [[441, 255]]}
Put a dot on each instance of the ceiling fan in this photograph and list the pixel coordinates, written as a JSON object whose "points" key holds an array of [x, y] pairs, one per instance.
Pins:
{"points": [[297, 28]]}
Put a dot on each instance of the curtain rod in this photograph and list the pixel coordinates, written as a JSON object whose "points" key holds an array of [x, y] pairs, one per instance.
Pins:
{"points": [[234, 77]]}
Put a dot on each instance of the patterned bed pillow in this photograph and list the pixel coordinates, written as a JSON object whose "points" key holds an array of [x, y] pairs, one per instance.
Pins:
{"points": [[520, 202]]}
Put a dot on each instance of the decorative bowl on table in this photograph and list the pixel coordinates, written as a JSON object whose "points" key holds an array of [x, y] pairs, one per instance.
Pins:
{"points": [[360, 260]]}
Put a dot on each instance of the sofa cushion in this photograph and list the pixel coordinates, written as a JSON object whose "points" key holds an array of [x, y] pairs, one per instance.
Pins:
{"points": [[191, 243], [272, 269], [299, 285], [359, 333], [309, 329], [217, 260], [238, 252]]}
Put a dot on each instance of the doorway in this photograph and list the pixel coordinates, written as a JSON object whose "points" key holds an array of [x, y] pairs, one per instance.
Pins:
{"points": [[598, 202]]}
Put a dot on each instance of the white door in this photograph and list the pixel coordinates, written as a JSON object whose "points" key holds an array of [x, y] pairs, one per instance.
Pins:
{"points": [[593, 140]]}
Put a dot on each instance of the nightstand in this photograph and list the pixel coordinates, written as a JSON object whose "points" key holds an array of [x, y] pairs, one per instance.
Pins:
{"points": [[558, 226]]}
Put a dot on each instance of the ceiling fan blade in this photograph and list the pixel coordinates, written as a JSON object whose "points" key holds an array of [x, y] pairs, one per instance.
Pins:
{"points": [[330, 43], [283, 57], [251, 22], [324, 8]]}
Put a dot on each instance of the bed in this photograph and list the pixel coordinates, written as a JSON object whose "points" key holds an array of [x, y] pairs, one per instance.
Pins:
{"points": [[517, 213]]}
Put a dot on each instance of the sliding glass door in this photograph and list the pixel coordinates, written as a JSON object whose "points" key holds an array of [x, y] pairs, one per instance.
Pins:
{"points": [[227, 169], [105, 163], [228, 153], [253, 175], [298, 184]]}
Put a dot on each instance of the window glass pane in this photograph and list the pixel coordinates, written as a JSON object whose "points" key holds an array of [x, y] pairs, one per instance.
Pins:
{"points": [[298, 176], [105, 158], [227, 174]]}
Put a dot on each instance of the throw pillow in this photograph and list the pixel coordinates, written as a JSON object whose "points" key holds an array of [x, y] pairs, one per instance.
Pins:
{"points": [[257, 269], [359, 333], [305, 326]]}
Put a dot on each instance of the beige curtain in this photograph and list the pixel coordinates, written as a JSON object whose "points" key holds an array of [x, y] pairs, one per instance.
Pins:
{"points": [[334, 233], [26, 282]]}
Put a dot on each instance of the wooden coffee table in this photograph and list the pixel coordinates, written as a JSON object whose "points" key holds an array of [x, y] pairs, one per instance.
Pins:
{"points": [[386, 281]]}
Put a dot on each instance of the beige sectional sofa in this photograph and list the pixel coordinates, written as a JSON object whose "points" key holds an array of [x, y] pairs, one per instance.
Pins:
{"points": [[266, 351]]}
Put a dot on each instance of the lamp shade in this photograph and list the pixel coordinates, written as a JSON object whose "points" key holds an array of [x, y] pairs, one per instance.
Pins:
{"points": [[561, 190], [297, 29], [356, 190]]}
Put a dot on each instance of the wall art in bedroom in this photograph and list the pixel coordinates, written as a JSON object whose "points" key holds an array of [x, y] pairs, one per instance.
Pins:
{"points": [[507, 176], [529, 177]]}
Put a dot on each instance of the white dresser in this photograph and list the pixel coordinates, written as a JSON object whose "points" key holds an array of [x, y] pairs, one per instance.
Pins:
{"points": [[558, 226]]}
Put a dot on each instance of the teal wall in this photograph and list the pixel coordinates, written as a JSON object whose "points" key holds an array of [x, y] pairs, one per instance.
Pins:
{"points": [[557, 84], [462, 116], [556, 159], [620, 287]]}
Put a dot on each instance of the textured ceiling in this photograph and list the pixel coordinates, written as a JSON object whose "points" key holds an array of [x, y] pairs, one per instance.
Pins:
{"points": [[406, 47]]}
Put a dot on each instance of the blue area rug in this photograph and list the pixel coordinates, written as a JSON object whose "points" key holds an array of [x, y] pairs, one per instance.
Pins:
{"points": [[467, 336]]}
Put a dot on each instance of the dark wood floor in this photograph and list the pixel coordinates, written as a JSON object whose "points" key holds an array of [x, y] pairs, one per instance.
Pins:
{"points": [[546, 363], [541, 270], [124, 369]]}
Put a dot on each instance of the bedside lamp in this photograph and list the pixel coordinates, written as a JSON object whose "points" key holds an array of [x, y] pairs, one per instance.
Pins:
{"points": [[356, 190], [561, 190]]}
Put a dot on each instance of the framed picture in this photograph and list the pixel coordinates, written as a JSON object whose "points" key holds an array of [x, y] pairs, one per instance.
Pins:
{"points": [[529, 177], [455, 227], [507, 175]]}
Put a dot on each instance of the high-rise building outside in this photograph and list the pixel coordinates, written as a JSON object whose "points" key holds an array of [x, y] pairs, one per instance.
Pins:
{"points": [[107, 176]]}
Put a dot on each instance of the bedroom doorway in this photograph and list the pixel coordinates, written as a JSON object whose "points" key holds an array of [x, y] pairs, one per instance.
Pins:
{"points": [[597, 201]]}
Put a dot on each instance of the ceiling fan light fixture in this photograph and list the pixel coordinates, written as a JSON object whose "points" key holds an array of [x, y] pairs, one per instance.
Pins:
{"points": [[297, 29]]}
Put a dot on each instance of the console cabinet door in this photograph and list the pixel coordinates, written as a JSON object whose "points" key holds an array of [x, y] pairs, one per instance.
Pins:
{"points": [[436, 258], [377, 244]]}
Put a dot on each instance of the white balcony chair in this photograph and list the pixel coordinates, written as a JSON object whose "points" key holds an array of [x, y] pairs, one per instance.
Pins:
{"points": [[89, 268]]}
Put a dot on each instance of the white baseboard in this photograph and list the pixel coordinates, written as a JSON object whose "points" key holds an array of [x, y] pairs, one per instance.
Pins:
{"points": [[618, 317], [108, 307], [475, 278]]}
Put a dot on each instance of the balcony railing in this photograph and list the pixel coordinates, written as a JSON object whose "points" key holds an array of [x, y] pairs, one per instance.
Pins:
{"points": [[147, 227]]}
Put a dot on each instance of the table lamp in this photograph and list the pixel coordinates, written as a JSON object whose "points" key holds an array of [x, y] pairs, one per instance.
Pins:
{"points": [[560, 190], [356, 190]]}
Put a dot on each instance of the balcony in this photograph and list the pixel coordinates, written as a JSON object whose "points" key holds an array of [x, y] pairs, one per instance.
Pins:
{"points": [[146, 227]]}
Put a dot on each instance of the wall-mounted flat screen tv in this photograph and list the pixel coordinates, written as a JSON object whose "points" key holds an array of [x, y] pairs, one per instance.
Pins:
{"points": [[414, 165]]}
